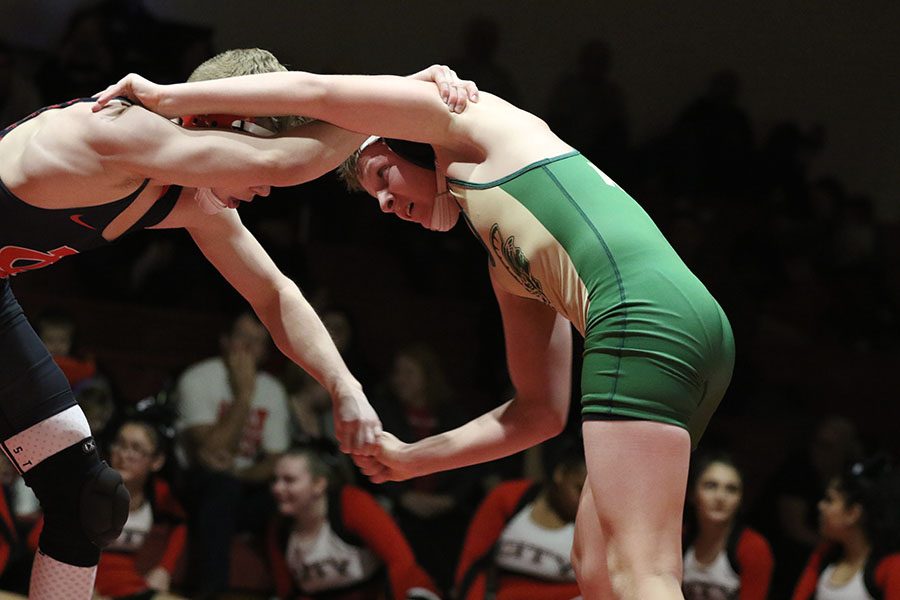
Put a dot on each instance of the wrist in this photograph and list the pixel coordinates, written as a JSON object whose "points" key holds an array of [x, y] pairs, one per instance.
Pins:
{"points": [[341, 385]]}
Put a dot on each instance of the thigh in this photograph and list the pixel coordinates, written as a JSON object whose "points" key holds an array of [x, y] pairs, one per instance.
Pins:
{"points": [[637, 473], [32, 386]]}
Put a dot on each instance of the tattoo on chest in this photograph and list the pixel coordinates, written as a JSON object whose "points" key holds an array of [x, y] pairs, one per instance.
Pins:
{"points": [[516, 263]]}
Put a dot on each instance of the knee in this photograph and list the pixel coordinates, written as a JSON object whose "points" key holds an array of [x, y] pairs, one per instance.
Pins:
{"points": [[84, 501]]}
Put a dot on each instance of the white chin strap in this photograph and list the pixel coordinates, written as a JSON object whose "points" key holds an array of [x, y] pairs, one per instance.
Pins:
{"points": [[208, 201], [445, 211]]}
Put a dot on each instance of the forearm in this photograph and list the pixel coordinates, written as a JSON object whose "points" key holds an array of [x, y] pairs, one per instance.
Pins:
{"points": [[505, 430], [225, 433], [380, 104], [299, 333]]}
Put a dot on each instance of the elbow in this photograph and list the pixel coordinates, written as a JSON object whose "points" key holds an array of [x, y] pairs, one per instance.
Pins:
{"points": [[552, 420], [279, 168]]}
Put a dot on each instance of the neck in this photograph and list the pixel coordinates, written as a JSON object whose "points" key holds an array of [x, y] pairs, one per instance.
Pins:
{"points": [[309, 521], [711, 537], [856, 547], [543, 513], [136, 491]]}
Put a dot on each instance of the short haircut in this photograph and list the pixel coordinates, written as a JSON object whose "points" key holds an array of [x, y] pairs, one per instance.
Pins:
{"points": [[247, 61]]}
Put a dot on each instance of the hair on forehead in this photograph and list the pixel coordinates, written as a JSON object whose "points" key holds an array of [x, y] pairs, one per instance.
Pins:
{"points": [[418, 153]]}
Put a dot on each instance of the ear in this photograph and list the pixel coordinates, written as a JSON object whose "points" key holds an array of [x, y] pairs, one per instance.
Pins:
{"points": [[320, 485], [158, 462], [854, 514]]}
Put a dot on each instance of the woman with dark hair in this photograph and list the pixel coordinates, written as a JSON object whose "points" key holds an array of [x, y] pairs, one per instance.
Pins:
{"points": [[334, 541], [859, 519], [723, 558], [519, 541]]}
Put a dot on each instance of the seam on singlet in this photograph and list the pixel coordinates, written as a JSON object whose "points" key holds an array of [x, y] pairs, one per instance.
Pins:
{"points": [[612, 261], [539, 163]]}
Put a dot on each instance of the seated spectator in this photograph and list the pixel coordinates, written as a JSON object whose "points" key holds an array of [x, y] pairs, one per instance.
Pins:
{"points": [[233, 422], [18, 95], [95, 398], [519, 542], [723, 558], [860, 521], [335, 541], [416, 402], [14, 555], [787, 510], [138, 452], [57, 329]]}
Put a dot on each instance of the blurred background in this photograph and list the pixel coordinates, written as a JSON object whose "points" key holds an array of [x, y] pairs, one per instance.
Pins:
{"points": [[763, 138]]}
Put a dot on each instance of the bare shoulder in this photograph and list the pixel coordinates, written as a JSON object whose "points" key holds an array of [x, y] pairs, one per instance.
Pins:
{"points": [[507, 137]]}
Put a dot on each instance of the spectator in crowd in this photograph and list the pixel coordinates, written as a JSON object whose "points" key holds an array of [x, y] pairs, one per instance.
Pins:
{"points": [[18, 95], [83, 62], [859, 518], [95, 398], [138, 453], [57, 328], [234, 421], [788, 512], [15, 557], [417, 402], [478, 61], [335, 541], [587, 109], [519, 541], [723, 558]]}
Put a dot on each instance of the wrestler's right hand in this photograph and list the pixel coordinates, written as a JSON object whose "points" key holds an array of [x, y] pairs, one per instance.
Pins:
{"points": [[356, 425], [133, 87]]}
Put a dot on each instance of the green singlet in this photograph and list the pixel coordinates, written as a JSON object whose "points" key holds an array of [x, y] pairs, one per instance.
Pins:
{"points": [[657, 346]]}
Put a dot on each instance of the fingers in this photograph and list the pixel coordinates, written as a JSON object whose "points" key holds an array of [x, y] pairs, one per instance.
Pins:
{"points": [[373, 469], [366, 439], [120, 88]]}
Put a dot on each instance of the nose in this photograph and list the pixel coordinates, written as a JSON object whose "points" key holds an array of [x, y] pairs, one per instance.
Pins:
{"points": [[386, 202], [262, 190]]}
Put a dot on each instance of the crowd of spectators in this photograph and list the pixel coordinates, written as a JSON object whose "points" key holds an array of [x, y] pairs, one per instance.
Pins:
{"points": [[801, 264]]}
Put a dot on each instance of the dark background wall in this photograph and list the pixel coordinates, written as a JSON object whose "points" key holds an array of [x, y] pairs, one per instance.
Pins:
{"points": [[831, 62]]}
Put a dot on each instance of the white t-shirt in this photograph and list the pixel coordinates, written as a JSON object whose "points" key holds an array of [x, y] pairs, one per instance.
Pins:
{"points": [[527, 548], [326, 562], [138, 525], [713, 581], [855, 589], [204, 393]]}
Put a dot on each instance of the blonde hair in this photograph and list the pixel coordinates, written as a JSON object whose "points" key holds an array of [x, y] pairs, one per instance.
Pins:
{"points": [[347, 173], [247, 61]]}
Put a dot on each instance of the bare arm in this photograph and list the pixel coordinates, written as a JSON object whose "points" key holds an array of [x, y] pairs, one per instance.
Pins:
{"points": [[539, 356], [383, 105], [292, 322], [144, 144]]}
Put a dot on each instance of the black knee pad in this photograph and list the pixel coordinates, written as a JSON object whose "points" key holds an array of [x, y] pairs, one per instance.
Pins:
{"points": [[84, 501]]}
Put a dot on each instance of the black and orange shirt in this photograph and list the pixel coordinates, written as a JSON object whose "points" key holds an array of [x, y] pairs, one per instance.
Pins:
{"points": [[33, 237]]}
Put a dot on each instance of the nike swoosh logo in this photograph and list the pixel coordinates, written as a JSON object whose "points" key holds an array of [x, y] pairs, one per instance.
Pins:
{"points": [[77, 219]]}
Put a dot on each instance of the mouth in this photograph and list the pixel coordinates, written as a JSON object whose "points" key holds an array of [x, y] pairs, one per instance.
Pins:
{"points": [[409, 210], [232, 202]]}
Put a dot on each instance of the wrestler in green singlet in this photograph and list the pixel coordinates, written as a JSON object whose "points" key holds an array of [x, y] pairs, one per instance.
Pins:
{"points": [[657, 344]]}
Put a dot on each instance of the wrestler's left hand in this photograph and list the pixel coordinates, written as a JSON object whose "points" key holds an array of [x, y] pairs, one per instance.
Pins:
{"points": [[391, 462], [133, 87], [455, 92]]}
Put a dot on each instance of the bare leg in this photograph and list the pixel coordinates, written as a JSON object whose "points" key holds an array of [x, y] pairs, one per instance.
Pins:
{"points": [[637, 472], [589, 551]]}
